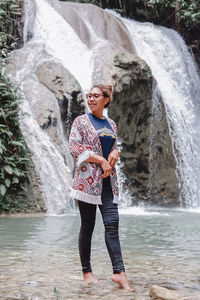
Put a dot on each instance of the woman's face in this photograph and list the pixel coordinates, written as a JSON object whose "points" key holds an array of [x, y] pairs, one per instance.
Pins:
{"points": [[96, 100]]}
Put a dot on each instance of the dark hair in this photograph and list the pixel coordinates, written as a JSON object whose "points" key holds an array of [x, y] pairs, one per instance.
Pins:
{"points": [[107, 91]]}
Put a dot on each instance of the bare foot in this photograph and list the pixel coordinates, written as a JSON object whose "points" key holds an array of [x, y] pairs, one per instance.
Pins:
{"points": [[121, 279], [89, 277]]}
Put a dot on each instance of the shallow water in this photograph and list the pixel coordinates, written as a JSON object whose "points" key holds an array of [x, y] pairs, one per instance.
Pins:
{"points": [[39, 256]]}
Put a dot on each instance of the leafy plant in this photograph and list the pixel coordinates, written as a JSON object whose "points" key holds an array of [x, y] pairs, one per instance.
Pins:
{"points": [[190, 13], [9, 10], [13, 150], [187, 11]]}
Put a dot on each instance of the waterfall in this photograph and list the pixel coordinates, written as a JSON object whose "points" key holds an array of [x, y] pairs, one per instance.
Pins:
{"points": [[46, 32], [172, 66], [178, 81], [50, 164], [51, 35]]}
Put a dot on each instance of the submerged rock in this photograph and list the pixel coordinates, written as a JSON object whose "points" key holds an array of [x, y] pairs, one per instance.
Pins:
{"points": [[159, 293]]}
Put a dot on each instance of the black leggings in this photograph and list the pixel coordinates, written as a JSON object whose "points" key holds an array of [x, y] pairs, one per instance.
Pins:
{"points": [[109, 212]]}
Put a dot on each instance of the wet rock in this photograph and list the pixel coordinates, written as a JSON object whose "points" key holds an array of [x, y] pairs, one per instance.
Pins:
{"points": [[159, 293], [131, 109], [64, 87], [31, 192], [45, 109], [162, 183]]}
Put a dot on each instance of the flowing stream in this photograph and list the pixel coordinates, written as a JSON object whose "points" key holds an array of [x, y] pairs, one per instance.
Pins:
{"points": [[40, 254]]}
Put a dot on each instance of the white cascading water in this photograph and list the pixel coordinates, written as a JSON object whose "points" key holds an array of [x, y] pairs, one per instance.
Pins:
{"points": [[177, 77], [61, 41], [50, 164]]}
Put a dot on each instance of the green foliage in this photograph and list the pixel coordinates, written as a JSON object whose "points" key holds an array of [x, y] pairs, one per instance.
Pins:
{"points": [[182, 15], [13, 151], [153, 10], [188, 11], [9, 10]]}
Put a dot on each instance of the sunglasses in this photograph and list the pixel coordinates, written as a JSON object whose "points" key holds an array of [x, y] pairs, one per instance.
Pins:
{"points": [[94, 96]]}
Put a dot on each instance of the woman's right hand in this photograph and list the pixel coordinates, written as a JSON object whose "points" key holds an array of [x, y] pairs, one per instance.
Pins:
{"points": [[106, 168]]}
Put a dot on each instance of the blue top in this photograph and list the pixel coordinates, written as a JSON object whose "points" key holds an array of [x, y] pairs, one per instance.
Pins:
{"points": [[105, 132]]}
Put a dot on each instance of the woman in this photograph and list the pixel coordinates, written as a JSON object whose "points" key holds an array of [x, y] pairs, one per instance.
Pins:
{"points": [[93, 143]]}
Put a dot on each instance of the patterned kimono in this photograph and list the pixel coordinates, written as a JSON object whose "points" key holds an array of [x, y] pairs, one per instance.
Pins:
{"points": [[83, 143]]}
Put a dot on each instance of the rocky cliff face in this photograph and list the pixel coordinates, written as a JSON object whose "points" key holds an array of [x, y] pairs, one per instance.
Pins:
{"points": [[52, 91]]}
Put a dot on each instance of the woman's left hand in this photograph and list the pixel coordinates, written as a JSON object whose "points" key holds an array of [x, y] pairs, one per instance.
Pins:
{"points": [[113, 157]]}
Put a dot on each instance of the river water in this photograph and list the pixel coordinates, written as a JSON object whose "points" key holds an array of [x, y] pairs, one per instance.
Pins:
{"points": [[39, 255]]}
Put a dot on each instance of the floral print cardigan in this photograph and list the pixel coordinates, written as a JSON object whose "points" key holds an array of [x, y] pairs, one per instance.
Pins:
{"points": [[83, 143]]}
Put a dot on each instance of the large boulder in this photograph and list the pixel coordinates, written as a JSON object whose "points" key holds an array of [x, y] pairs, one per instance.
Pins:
{"points": [[62, 84]]}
